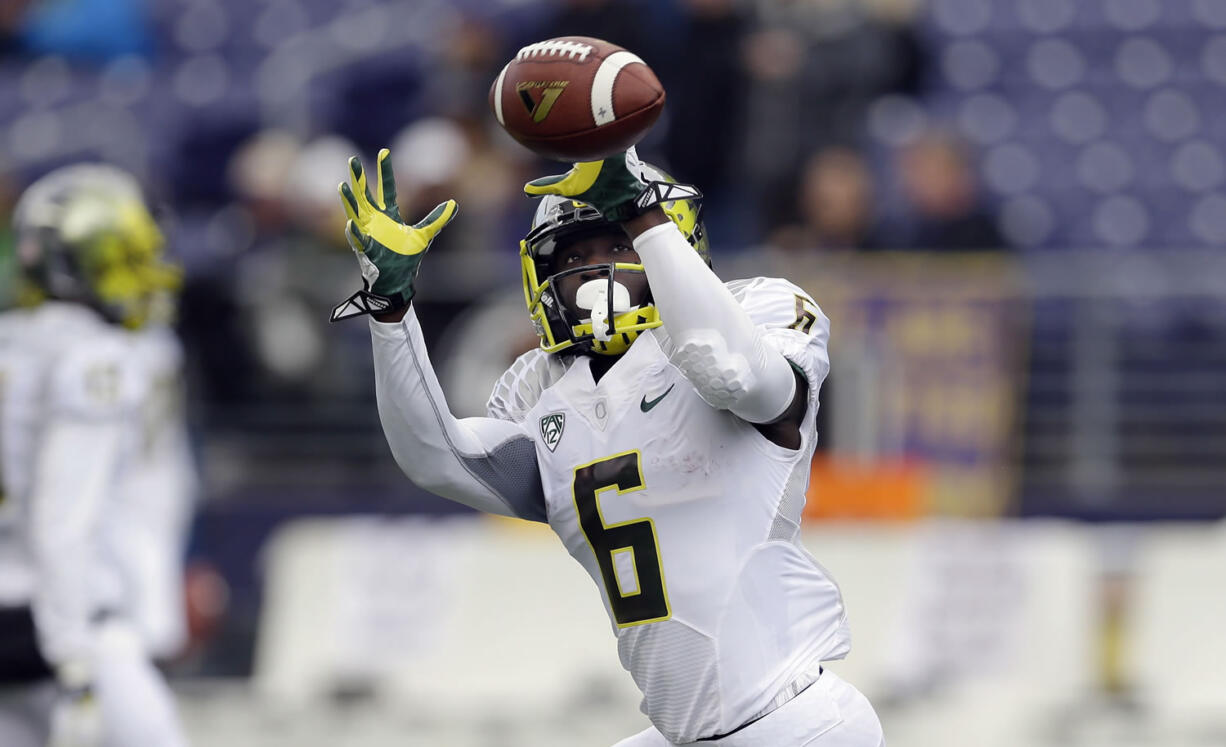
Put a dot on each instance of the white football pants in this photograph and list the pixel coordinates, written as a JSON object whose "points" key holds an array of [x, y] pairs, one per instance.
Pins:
{"points": [[135, 705], [829, 713]]}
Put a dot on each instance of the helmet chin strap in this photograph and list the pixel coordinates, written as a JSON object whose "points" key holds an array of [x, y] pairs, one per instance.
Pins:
{"points": [[594, 297]]}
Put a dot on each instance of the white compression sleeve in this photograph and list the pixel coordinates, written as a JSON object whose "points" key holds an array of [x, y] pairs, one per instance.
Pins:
{"points": [[484, 463], [716, 345]]}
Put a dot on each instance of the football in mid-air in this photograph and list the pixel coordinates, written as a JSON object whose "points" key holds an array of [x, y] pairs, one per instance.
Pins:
{"points": [[576, 98]]}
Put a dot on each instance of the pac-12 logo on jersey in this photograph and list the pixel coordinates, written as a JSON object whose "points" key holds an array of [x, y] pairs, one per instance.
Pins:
{"points": [[551, 428]]}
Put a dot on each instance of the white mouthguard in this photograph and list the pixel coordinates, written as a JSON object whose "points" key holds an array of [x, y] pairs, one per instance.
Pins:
{"points": [[594, 296]]}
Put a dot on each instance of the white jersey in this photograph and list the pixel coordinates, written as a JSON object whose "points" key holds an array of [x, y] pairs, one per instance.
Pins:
{"points": [[68, 399], [156, 497], [687, 517]]}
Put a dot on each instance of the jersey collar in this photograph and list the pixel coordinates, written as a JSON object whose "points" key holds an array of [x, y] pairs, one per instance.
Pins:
{"points": [[619, 390]]}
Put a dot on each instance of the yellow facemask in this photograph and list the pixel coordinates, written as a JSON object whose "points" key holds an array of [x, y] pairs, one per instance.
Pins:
{"points": [[559, 330]]}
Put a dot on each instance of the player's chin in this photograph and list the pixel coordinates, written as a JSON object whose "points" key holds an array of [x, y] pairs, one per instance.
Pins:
{"points": [[640, 292]]}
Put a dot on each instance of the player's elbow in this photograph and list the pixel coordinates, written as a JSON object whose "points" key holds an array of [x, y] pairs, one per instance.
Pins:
{"points": [[423, 471], [433, 481], [721, 376], [431, 472], [755, 386]]}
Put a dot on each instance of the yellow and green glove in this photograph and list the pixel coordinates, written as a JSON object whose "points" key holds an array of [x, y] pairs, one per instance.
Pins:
{"points": [[389, 251], [611, 186], [621, 187]]}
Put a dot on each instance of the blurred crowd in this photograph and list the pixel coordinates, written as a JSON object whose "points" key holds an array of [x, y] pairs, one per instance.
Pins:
{"points": [[811, 126], [240, 117]]}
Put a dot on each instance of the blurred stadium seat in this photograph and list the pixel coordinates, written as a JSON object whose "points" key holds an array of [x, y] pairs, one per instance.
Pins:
{"points": [[1118, 89]]}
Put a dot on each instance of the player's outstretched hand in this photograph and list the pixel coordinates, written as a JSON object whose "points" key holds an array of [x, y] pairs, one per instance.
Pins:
{"points": [[611, 186], [389, 251]]}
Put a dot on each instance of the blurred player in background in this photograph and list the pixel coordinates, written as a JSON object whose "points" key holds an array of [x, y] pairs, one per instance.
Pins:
{"points": [[75, 393], [664, 430], [159, 490]]}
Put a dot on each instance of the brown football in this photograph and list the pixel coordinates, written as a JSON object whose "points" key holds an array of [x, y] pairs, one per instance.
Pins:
{"points": [[576, 98]]}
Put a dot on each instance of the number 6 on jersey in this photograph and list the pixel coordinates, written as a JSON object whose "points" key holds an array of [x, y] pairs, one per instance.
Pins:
{"points": [[627, 553]]}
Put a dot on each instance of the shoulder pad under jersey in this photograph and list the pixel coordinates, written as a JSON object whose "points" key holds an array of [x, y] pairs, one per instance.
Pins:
{"points": [[791, 322], [518, 390]]}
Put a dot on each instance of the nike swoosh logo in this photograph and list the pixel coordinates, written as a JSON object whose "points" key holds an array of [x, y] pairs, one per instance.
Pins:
{"points": [[647, 404]]}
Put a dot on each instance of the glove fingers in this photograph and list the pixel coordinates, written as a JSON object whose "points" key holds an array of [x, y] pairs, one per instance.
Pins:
{"points": [[545, 184], [573, 183], [437, 219], [350, 203], [386, 187], [357, 242], [360, 187]]}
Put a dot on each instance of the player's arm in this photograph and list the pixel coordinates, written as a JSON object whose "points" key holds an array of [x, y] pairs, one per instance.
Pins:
{"points": [[716, 344], [74, 474], [484, 463], [75, 470]]}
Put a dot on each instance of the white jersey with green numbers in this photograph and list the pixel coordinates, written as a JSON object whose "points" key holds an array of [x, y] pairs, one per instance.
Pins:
{"points": [[687, 518]]}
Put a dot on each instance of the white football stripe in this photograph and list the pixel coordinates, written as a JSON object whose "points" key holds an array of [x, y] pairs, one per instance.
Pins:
{"points": [[602, 84], [498, 94]]}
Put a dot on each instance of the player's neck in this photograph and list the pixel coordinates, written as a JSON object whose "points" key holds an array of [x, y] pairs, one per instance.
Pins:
{"points": [[600, 365]]}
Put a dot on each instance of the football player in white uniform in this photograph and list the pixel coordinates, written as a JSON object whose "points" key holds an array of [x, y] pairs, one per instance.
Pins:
{"points": [[663, 430], [74, 671]]}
